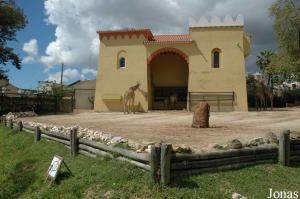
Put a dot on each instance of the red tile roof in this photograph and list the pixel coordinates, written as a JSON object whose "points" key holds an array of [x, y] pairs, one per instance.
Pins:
{"points": [[147, 34], [128, 31], [162, 38]]}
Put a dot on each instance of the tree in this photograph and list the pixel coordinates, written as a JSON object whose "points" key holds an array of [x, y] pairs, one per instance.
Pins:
{"points": [[263, 61], [287, 29], [284, 68], [12, 20]]}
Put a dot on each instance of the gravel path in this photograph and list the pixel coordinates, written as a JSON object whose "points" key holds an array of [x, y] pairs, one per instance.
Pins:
{"points": [[175, 126]]}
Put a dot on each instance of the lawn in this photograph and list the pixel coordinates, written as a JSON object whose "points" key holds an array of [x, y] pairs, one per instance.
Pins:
{"points": [[23, 165]]}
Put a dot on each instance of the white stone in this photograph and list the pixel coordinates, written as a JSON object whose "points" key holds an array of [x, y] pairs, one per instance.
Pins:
{"points": [[148, 150], [238, 196]]}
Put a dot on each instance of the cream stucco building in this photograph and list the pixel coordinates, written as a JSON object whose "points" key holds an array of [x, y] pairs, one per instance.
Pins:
{"points": [[206, 64]]}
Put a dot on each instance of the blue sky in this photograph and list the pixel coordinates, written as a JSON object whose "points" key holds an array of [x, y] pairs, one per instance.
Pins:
{"points": [[37, 28], [30, 74], [65, 31]]}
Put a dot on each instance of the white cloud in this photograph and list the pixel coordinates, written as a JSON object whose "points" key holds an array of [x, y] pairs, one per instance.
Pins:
{"points": [[76, 23], [69, 74], [54, 77], [31, 49], [87, 71]]}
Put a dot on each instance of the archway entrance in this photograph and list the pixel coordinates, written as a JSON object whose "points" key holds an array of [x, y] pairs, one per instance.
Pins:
{"points": [[168, 74]]}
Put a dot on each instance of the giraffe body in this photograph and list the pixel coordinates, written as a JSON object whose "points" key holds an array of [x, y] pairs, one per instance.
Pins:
{"points": [[129, 97]]}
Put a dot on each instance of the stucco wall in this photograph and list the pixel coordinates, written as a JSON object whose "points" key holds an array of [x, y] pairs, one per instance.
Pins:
{"points": [[82, 98], [231, 75], [113, 81]]}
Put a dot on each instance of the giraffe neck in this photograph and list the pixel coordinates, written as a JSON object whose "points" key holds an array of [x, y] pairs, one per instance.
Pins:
{"points": [[135, 87]]}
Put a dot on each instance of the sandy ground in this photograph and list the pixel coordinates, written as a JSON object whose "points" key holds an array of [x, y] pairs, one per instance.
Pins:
{"points": [[175, 126]]}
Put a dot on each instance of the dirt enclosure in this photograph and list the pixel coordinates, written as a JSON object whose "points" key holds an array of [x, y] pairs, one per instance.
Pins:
{"points": [[175, 126]]}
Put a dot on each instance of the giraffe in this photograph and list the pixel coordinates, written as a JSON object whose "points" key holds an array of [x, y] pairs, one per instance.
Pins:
{"points": [[167, 103], [269, 96], [259, 98], [129, 96], [173, 100]]}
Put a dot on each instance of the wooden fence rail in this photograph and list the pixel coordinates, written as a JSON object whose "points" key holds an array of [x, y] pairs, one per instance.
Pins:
{"points": [[39, 103], [163, 163], [295, 150]]}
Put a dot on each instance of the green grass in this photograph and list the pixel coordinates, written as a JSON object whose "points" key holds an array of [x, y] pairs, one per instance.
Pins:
{"points": [[23, 165]]}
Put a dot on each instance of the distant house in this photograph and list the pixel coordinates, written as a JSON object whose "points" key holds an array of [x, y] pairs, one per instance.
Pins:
{"points": [[47, 86], [6, 87], [258, 76], [84, 93], [292, 85]]}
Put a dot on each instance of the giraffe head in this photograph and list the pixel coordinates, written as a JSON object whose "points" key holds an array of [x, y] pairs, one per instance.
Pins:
{"points": [[135, 87]]}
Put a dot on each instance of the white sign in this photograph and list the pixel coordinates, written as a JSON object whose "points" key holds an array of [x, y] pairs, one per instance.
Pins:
{"points": [[54, 166]]}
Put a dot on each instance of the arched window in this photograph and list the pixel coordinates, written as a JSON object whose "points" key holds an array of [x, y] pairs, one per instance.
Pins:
{"points": [[122, 63], [216, 58]]}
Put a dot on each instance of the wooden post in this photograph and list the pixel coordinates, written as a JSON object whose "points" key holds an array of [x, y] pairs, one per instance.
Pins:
{"points": [[37, 134], [166, 152], [20, 126], [284, 148], [5, 121], [154, 163], [74, 141], [11, 124]]}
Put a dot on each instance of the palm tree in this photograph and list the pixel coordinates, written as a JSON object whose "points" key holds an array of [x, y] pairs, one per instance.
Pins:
{"points": [[263, 61]]}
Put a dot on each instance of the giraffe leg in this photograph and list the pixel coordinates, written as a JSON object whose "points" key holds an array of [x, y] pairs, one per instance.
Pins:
{"points": [[133, 109], [124, 105], [129, 106], [256, 105], [271, 103]]}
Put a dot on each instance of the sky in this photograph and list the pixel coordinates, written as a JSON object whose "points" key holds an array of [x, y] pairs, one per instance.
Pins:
{"points": [[64, 31]]}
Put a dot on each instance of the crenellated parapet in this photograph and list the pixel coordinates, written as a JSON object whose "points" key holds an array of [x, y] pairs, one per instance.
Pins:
{"points": [[216, 21]]}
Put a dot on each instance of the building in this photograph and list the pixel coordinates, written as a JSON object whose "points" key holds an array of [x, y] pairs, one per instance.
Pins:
{"points": [[206, 64], [47, 86], [84, 92], [258, 76], [292, 85], [7, 87]]}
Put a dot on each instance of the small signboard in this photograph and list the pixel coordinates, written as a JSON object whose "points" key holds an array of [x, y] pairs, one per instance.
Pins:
{"points": [[54, 167]]}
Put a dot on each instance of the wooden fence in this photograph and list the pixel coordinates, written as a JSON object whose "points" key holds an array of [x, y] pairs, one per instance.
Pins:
{"points": [[39, 103], [218, 101], [163, 164]]}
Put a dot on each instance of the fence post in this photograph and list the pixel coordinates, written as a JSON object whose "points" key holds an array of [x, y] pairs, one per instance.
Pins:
{"points": [[154, 163], [11, 124], [166, 152], [5, 121], [74, 141], [37, 134], [20, 126], [284, 148]]}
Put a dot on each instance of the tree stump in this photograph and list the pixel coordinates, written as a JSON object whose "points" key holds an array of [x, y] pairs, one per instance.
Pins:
{"points": [[201, 115]]}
